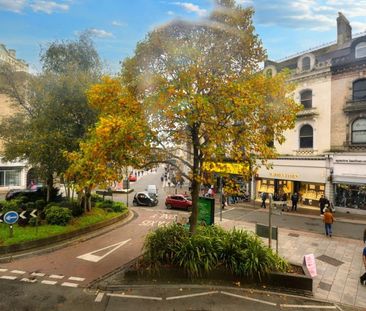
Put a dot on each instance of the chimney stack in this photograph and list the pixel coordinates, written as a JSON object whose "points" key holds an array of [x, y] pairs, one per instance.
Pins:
{"points": [[344, 29]]}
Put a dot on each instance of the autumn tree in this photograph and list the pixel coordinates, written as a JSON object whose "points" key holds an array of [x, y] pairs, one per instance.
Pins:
{"points": [[119, 139], [201, 85], [51, 113]]}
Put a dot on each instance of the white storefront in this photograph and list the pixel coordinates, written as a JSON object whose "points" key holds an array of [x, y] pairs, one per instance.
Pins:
{"points": [[310, 177], [349, 179]]}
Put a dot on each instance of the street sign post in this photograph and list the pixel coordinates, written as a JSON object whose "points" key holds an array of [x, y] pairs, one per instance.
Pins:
{"points": [[11, 218]]}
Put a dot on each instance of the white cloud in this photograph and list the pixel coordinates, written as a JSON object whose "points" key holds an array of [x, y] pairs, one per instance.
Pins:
{"points": [[48, 6], [190, 7], [45, 6], [170, 13], [13, 5], [100, 33], [358, 27], [316, 15], [118, 24]]}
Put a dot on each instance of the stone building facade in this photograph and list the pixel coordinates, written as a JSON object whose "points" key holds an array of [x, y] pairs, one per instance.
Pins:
{"points": [[14, 174], [325, 154]]}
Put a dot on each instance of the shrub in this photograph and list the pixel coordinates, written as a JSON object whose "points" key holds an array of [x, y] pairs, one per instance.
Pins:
{"points": [[238, 251], [104, 204], [56, 215], [12, 205]]}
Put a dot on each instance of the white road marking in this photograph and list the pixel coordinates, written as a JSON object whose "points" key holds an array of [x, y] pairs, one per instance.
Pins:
{"points": [[75, 278], [338, 307], [248, 298], [17, 271], [37, 274], [56, 276], [307, 306], [8, 277], [69, 284], [49, 282], [96, 258], [28, 280], [135, 296], [99, 297], [3, 270], [192, 295]]}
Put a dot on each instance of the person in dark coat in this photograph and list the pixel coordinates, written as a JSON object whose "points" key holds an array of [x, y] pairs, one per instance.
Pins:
{"points": [[322, 203], [363, 276], [294, 200], [264, 198]]}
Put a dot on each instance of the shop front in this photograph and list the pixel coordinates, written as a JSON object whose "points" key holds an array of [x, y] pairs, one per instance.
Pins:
{"points": [[307, 177], [349, 178]]}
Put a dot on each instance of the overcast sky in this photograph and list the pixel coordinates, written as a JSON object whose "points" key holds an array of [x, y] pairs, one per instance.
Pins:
{"points": [[285, 26]]}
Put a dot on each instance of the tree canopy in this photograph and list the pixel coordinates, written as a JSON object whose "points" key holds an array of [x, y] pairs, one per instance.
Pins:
{"points": [[53, 113], [201, 91]]}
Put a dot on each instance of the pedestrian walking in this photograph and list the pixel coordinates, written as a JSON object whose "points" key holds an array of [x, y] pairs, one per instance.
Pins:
{"points": [[223, 200], [363, 276], [294, 200], [264, 198], [322, 202], [328, 220]]}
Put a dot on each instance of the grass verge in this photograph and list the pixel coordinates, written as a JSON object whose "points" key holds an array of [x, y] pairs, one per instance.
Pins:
{"points": [[29, 233]]}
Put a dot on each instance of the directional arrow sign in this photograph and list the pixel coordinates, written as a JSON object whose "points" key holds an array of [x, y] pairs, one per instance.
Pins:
{"points": [[22, 215], [11, 217], [109, 249], [33, 213], [1, 219]]}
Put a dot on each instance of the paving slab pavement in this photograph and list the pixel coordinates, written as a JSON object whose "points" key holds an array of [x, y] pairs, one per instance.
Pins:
{"points": [[338, 260]]}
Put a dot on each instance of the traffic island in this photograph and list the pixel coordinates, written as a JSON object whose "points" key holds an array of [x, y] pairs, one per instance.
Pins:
{"points": [[134, 274]]}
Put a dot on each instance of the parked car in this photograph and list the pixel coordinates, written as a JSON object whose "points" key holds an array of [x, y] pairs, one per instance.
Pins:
{"points": [[179, 201], [33, 194], [132, 178], [144, 199]]}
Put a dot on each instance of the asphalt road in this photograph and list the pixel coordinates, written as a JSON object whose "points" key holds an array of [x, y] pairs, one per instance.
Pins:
{"points": [[16, 296]]}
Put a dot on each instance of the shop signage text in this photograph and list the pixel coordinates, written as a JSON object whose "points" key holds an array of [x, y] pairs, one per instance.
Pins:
{"points": [[284, 175]]}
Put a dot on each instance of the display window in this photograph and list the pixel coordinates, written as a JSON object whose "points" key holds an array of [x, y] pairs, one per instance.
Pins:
{"points": [[311, 193], [350, 196], [265, 185]]}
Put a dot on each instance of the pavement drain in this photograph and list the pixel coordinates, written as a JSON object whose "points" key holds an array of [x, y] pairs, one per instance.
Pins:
{"points": [[330, 260], [325, 286], [295, 235]]}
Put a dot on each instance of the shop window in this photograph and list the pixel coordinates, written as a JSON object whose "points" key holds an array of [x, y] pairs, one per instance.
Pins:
{"points": [[359, 90], [9, 178], [306, 98], [305, 64], [350, 196], [359, 131], [306, 136], [361, 50]]}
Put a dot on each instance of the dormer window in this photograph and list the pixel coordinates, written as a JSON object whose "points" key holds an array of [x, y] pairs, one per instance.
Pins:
{"points": [[360, 50], [305, 65], [306, 99]]}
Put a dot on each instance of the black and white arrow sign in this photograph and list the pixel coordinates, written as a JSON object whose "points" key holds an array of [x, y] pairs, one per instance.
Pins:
{"points": [[22, 215], [1, 218], [34, 213]]}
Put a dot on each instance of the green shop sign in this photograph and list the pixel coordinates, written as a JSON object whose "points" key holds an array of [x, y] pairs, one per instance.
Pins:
{"points": [[206, 211]]}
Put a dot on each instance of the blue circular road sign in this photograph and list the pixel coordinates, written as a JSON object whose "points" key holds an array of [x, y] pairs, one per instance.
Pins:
{"points": [[11, 217]]}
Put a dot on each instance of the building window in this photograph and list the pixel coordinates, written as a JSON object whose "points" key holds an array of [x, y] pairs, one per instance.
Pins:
{"points": [[306, 137], [361, 50], [305, 63], [359, 90], [306, 98], [9, 178], [359, 131]]}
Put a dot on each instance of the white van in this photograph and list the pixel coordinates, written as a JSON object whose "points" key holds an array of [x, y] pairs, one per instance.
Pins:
{"points": [[152, 190]]}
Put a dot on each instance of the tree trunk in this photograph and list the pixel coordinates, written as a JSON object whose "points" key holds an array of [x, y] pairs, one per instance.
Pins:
{"points": [[49, 188]]}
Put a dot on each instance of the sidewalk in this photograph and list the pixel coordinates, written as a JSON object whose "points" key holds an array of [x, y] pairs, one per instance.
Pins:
{"points": [[338, 260]]}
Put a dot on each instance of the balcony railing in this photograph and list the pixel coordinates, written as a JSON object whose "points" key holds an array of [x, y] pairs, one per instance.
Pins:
{"points": [[308, 113], [355, 106]]}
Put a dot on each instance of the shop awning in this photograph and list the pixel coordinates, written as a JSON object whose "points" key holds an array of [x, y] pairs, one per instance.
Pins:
{"points": [[342, 179]]}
